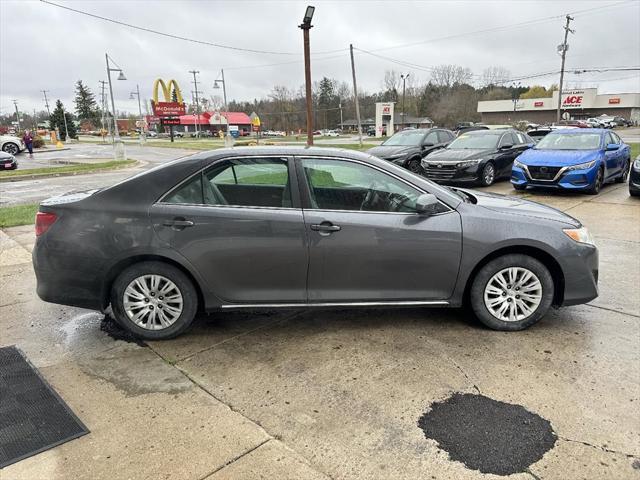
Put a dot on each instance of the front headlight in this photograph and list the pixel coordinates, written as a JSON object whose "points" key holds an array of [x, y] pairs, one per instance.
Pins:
{"points": [[580, 235], [467, 163], [582, 166], [518, 164], [636, 164]]}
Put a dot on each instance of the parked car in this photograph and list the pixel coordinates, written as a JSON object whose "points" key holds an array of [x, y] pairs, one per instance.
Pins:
{"points": [[152, 134], [595, 123], [634, 178], [11, 144], [471, 129], [407, 148], [621, 122], [331, 133], [479, 157], [178, 134], [572, 123], [573, 160], [8, 161], [371, 131], [539, 133], [322, 228]]}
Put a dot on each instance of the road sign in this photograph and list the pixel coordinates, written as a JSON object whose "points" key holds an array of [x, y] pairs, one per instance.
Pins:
{"points": [[170, 121], [255, 120]]}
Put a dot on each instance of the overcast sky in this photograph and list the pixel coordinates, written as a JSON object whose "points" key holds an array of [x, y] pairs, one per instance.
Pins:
{"points": [[46, 47]]}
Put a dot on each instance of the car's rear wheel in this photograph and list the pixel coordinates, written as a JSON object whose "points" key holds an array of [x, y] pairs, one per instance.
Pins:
{"points": [[154, 300], [11, 148], [597, 183], [625, 173], [488, 175], [512, 292]]}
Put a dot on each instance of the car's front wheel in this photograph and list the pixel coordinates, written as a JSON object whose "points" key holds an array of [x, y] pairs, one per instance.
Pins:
{"points": [[488, 175], [597, 183], [512, 292], [154, 300], [11, 148], [413, 165]]}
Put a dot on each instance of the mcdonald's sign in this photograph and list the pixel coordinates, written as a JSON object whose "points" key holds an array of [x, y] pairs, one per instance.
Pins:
{"points": [[168, 108]]}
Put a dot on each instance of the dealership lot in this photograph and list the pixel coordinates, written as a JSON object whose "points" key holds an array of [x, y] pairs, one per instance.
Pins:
{"points": [[338, 394]]}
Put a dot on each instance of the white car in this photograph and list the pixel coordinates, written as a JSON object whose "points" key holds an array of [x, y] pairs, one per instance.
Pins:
{"points": [[11, 144], [331, 133]]}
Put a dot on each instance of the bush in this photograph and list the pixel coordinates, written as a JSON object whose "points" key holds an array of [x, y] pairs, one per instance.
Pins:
{"points": [[38, 141]]}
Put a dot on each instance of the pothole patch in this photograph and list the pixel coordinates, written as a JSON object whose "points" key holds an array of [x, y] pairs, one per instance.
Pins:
{"points": [[109, 326], [488, 435]]}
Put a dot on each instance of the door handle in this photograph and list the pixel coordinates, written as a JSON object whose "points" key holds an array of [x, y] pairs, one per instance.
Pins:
{"points": [[178, 223], [325, 227]]}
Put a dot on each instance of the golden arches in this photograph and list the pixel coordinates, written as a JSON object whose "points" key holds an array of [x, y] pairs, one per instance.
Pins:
{"points": [[166, 90]]}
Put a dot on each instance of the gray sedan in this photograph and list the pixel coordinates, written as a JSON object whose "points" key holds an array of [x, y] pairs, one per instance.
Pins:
{"points": [[280, 227]]}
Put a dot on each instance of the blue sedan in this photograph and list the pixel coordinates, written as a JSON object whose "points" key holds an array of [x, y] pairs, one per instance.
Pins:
{"points": [[573, 160]]}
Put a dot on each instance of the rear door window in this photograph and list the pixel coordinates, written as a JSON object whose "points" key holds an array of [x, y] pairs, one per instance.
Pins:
{"points": [[250, 182]]}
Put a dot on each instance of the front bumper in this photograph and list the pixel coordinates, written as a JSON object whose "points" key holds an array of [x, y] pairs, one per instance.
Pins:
{"points": [[450, 172], [580, 275], [634, 181], [9, 165], [556, 177]]}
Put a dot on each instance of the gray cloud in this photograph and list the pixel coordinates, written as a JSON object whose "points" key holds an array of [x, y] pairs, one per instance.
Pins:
{"points": [[44, 47]]}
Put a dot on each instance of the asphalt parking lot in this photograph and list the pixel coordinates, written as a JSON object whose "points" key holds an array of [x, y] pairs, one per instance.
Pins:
{"points": [[346, 394]]}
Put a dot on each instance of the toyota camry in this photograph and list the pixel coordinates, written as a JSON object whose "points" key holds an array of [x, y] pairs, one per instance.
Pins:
{"points": [[278, 227]]}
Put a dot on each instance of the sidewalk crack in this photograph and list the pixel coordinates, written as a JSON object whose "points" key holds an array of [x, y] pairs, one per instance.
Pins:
{"points": [[597, 447]]}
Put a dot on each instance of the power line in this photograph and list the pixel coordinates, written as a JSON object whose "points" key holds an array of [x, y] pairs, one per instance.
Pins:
{"points": [[169, 35]]}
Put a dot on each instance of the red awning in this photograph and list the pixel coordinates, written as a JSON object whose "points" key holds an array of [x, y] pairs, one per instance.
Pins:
{"points": [[202, 119], [237, 118]]}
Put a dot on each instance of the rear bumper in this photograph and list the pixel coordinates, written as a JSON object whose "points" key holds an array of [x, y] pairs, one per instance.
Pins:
{"points": [[72, 282], [580, 276]]}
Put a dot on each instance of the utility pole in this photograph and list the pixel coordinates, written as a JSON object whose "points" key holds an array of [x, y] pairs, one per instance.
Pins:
{"points": [[195, 85], [46, 102], [105, 110], [15, 103], [340, 107], [306, 26], [404, 81], [563, 51], [355, 95]]}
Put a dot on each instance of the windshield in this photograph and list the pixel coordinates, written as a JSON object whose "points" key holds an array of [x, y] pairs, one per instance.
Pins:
{"points": [[407, 137], [569, 141], [474, 142]]}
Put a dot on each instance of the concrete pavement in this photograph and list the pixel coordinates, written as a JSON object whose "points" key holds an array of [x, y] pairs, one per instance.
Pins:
{"points": [[338, 394]]}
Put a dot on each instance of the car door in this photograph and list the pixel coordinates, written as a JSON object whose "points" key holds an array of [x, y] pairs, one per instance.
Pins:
{"points": [[239, 223], [507, 153], [366, 243], [612, 157], [430, 143]]}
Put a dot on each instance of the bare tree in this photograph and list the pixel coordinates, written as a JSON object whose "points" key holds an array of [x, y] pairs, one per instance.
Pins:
{"points": [[450, 75], [494, 75]]}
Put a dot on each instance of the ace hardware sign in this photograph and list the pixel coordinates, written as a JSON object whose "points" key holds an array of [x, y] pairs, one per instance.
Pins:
{"points": [[173, 104]]}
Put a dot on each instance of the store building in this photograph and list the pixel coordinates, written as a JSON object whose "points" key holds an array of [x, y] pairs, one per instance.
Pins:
{"points": [[211, 121], [579, 104]]}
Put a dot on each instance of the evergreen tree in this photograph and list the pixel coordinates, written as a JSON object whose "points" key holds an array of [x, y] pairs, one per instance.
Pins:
{"points": [[57, 121], [86, 106]]}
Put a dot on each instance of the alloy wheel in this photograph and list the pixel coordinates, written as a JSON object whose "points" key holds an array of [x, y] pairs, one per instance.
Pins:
{"points": [[153, 302], [488, 174], [10, 148], [513, 294]]}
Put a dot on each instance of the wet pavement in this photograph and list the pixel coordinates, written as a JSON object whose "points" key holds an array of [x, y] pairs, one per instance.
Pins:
{"points": [[345, 394]]}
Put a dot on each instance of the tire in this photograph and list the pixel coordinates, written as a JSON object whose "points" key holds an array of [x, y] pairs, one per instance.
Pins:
{"points": [[488, 175], [484, 291], [625, 173], [413, 165], [597, 183], [11, 148], [177, 315], [519, 187]]}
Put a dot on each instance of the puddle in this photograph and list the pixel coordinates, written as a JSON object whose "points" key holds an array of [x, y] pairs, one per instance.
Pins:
{"points": [[109, 326], [488, 435]]}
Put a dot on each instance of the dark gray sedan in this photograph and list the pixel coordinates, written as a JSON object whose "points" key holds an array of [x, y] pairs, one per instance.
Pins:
{"points": [[304, 228]]}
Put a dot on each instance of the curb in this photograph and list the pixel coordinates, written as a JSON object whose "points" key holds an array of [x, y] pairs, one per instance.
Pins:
{"points": [[34, 176]]}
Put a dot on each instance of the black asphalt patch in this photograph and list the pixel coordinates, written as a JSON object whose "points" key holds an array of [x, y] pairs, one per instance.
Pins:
{"points": [[109, 326], [488, 435]]}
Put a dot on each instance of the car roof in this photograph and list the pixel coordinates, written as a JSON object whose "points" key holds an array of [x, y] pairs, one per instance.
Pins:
{"points": [[579, 130], [488, 132]]}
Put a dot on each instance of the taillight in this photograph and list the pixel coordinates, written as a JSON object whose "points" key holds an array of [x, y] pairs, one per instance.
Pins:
{"points": [[43, 221]]}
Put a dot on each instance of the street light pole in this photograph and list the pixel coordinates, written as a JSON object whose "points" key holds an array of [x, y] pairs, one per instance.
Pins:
{"points": [[66, 129], [404, 80], [225, 109], [15, 104], [142, 129], [195, 85], [306, 26], [117, 142]]}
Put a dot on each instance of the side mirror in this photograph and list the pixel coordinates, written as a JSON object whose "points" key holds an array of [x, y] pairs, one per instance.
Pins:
{"points": [[612, 146], [530, 145], [426, 145], [506, 147], [427, 204]]}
